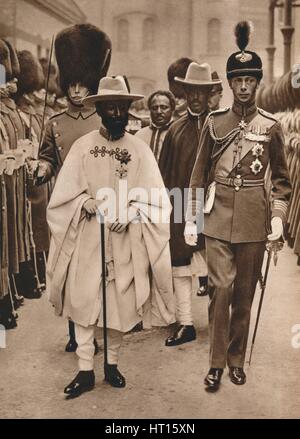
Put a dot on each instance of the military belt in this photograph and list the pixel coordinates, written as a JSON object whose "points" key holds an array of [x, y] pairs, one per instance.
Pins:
{"points": [[238, 182]]}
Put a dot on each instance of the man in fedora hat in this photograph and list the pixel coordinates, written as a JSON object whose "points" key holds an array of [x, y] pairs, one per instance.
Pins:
{"points": [[110, 170], [176, 162], [83, 55], [238, 145]]}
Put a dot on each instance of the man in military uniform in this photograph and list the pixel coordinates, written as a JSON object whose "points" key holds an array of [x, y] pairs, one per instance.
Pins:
{"points": [[238, 145], [176, 162], [83, 55]]}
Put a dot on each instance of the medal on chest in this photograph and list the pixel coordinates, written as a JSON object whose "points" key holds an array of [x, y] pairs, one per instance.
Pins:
{"points": [[121, 155]]}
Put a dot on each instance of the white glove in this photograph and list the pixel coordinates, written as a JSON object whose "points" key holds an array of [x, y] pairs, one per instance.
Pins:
{"points": [[190, 233], [277, 229]]}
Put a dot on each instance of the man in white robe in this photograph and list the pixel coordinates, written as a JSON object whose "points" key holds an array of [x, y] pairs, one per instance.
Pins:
{"points": [[102, 167]]}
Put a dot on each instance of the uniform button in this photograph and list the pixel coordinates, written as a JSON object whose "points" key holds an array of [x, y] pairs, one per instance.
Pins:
{"points": [[237, 188], [3, 208], [60, 148], [56, 135], [239, 166], [54, 124]]}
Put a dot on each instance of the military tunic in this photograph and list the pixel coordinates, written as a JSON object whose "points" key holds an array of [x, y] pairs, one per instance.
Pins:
{"points": [[238, 146], [61, 132]]}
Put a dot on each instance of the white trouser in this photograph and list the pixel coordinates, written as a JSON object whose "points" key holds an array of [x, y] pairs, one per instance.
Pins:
{"points": [[183, 296], [86, 349]]}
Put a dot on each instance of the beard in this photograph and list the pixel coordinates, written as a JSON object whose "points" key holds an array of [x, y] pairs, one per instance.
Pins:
{"points": [[115, 125]]}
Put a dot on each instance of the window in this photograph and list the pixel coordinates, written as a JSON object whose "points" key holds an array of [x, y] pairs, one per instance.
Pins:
{"points": [[148, 34], [214, 36], [123, 35]]}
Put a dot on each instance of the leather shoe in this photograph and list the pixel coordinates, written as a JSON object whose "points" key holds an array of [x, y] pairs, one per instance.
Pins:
{"points": [[183, 334], [113, 376], [71, 346], [237, 375], [83, 382], [213, 379]]}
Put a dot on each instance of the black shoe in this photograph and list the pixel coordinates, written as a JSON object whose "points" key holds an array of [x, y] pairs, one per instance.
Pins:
{"points": [[202, 291], [237, 375], [71, 346], [83, 382], [33, 294], [97, 349], [183, 334], [213, 379], [113, 376], [9, 322], [137, 328], [18, 301]]}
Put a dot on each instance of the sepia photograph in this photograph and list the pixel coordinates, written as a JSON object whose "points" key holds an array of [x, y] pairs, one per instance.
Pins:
{"points": [[150, 212]]}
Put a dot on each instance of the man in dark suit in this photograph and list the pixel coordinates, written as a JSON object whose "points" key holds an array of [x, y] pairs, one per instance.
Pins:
{"points": [[238, 146]]}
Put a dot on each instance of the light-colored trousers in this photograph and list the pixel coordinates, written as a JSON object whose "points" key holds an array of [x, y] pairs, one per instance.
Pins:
{"points": [[86, 349]]}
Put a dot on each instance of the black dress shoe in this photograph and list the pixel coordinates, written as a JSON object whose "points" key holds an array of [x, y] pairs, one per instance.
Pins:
{"points": [[71, 346], [113, 376], [183, 334], [237, 375], [202, 291], [83, 382], [9, 322], [213, 379]]}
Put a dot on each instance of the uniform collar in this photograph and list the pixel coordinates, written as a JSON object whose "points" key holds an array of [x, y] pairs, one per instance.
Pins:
{"points": [[244, 110], [107, 135], [10, 103], [76, 112]]}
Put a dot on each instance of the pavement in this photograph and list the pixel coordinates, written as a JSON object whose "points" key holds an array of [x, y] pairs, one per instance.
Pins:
{"points": [[162, 382]]}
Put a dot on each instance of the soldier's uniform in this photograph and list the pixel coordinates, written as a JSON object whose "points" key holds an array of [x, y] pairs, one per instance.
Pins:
{"points": [[238, 148]]}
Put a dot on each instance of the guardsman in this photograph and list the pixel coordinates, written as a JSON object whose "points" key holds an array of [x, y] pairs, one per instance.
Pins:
{"points": [[30, 80], [83, 54], [238, 145]]}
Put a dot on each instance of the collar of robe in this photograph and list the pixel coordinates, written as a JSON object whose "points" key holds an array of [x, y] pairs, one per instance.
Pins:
{"points": [[161, 128]]}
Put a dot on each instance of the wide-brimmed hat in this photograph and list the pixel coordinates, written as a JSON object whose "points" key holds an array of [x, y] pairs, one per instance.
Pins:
{"points": [[111, 88], [198, 74]]}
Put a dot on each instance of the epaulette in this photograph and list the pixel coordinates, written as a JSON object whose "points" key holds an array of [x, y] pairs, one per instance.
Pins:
{"points": [[267, 115], [220, 111]]}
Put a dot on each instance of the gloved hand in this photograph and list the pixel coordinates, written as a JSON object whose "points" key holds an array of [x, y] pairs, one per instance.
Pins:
{"points": [[42, 169], [277, 229], [190, 233]]}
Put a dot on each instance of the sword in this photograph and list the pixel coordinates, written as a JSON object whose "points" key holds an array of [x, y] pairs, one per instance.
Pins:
{"points": [[272, 248]]}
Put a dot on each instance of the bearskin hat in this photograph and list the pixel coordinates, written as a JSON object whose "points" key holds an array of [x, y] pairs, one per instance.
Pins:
{"points": [[5, 59], [83, 55], [244, 62], [15, 66], [31, 76], [52, 84]]}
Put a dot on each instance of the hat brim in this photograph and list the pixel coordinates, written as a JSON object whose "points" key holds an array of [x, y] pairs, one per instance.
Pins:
{"points": [[184, 81], [91, 100]]}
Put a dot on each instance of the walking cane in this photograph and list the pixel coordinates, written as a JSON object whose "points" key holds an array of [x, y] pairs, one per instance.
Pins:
{"points": [[103, 276], [271, 247]]}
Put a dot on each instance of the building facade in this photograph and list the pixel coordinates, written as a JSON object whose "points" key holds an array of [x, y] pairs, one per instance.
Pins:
{"points": [[30, 24]]}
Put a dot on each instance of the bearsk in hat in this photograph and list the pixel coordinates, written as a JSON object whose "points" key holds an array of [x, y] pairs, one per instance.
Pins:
{"points": [[244, 62], [5, 60], [83, 55], [31, 76], [53, 81], [15, 66]]}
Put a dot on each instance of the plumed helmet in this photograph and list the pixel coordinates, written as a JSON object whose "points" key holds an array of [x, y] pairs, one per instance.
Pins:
{"points": [[83, 55], [244, 62]]}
